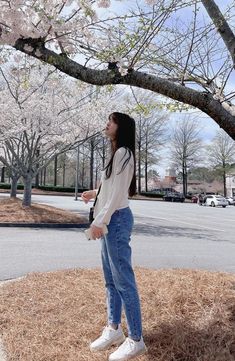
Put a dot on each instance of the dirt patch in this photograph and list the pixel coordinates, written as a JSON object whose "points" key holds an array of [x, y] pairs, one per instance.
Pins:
{"points": [[187, 315], [12, 211]]}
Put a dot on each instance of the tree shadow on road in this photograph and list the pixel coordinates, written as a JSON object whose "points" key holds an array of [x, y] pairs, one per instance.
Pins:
{"points": [[143, 227]]}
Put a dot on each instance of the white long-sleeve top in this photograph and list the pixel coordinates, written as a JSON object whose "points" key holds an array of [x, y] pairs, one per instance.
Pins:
{"points": [[113, 193]]}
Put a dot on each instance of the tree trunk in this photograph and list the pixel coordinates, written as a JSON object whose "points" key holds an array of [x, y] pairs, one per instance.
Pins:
{"points": [[77, 174], [13, 192], [146, 170], [92, 165], [41, 177], [37, 173], [44, 176], [139, 168], [184, 179], [224, 181], [96, 177], [55, 170], [3, 175], [103, 153], [37, 181], [186, 182], [63, 176], [83, 171], [96, 170], [27, 190]]}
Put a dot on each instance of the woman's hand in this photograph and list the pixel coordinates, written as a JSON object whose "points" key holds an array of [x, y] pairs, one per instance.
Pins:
{"points": [[88, 195], [96, 232]]}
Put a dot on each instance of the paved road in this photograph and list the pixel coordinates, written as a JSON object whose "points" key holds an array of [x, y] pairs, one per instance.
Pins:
{"points": [[166, 235]]}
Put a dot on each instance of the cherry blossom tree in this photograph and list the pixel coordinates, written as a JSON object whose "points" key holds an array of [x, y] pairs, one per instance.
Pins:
{"points": [[41, 116], [11, 152], [166, 46]]}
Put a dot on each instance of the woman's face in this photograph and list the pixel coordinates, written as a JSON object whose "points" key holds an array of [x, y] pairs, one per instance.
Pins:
{"points": [[111, 129]]}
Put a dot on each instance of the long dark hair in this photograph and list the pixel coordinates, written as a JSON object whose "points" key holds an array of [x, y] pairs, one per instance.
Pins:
{"points": [[125, 137]]}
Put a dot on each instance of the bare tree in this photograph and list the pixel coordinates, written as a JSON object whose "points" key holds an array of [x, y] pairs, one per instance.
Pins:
{"points": [[150, 131], [154, 138], [221, 154], [185, 147]]}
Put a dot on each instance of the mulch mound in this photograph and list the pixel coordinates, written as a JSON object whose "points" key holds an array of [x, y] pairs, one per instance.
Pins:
{"points": [[12, 211], [187, 315]]}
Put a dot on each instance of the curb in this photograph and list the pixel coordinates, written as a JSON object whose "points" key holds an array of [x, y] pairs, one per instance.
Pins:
{"points": [[46, 225]]}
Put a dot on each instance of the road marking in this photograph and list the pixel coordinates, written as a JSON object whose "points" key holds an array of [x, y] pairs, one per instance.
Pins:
{"points": [[176, 221]]}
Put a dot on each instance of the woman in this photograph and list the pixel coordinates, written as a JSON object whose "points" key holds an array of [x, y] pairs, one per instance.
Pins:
{"points": [[111, 209]]}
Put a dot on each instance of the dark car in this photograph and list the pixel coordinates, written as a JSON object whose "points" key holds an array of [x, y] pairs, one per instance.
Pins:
{"points": [[174, 197]]}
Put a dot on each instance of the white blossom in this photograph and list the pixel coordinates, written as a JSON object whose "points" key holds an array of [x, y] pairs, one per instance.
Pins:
{"points": [[103, 3]]}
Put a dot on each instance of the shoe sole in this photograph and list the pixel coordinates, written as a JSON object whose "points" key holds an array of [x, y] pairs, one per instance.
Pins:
{"points": [[118, 342], [140, 353]]}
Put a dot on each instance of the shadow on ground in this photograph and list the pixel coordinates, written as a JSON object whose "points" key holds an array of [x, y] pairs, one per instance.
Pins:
{"points": [[187, 343], [144, 227]]}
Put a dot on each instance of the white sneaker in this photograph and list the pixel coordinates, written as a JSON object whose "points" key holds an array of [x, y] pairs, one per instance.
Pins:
{"points": [[128, 350], [108, 338]]}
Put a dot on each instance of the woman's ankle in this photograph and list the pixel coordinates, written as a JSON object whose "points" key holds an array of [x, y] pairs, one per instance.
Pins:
{"points": [[113, 326]]}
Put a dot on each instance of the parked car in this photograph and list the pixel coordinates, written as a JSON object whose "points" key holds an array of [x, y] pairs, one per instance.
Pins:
{"points": [[174, 197], [230, 200], [215, 200]]}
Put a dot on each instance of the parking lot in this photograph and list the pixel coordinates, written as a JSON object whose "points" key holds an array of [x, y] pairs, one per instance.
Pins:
{"points": [[166, 235]]}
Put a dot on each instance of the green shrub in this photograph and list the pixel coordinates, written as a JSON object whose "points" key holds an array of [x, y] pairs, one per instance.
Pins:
{"points": [[49, 188], [8, 186], [60, 189]]}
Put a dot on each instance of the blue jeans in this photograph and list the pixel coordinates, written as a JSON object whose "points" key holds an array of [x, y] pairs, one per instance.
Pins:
{"points": [[118, 273]]}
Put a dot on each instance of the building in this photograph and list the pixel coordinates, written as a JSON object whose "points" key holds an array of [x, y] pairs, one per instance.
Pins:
{"points": [[170, 176], [230, 184]]}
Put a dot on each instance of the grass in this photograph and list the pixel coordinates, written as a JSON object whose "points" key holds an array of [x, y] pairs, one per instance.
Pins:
{"points": [[12, 211], [187, 315]]}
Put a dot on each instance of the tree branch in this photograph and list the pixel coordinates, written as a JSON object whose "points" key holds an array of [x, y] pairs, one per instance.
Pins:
{"points": [[201, 100], [222, 26]]}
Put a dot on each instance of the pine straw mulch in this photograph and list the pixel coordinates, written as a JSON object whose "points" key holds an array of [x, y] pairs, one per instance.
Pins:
{"points": [[12, 211], [187, 315]]}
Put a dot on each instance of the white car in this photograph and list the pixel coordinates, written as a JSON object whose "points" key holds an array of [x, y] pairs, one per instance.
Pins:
{"points": [[230, 200], [215, 200]]}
